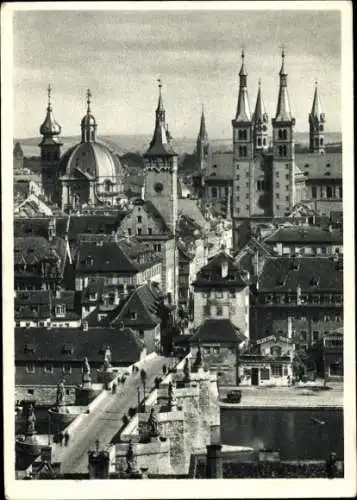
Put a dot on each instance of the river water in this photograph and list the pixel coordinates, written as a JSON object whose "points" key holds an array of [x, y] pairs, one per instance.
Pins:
{"points": [[292, 431]]}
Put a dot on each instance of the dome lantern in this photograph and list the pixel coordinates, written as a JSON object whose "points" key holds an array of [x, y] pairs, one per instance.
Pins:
{"points": [[88, 123], [50, 127]]}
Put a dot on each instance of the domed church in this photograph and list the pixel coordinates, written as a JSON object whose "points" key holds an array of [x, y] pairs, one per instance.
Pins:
{"points": [[88, 173]]}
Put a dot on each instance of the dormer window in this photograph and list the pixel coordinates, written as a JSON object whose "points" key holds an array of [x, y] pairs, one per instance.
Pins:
{"points": [[60, 310], [92, 294]]}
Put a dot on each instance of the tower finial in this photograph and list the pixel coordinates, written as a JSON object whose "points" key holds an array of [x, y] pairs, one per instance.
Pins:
{"points": [[259, 82], [160, 85], [243, 53], [316, 83], [49, 91], [89, 95]]}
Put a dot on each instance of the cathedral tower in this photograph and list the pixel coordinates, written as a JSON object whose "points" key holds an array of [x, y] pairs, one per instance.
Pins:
{"points": [[260, 124], [243, 150], [202, 145], [317, 125], [50, 152], [160, 163], [283, 183]]}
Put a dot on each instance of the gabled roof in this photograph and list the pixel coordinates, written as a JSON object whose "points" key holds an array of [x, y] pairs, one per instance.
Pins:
{"points": [[312, 274], [49, 343], [110, 256], [211, 273], [320, 166], [144, 303], [305, 235], [217, 331], [36, 249]]}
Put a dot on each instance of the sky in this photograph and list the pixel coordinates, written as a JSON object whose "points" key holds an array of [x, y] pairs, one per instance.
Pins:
{"points": [[120, 55]]}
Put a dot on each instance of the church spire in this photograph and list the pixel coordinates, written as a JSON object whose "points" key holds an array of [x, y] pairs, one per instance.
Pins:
{"points": [[316, 124], [283, 111], [202, 134], [243, 109], [160, 144], [50, 127], [260, 121], [88, 123]]}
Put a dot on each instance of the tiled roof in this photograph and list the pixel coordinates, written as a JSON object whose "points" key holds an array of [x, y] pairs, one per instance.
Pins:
{"points": [[211, 273], [305, 234], [120, 257], [317, 166], [36, 249], [190, 209], [94, 224], [311, 273], [40, 304], [48, 345], [38, 226], [140, 309], [216, 331]]}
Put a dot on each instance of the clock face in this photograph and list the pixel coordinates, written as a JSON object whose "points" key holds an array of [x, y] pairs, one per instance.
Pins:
{"points": [[159, 187]]}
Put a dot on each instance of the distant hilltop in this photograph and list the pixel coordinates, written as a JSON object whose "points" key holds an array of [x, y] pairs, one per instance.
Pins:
{"points": [[139, 143]]}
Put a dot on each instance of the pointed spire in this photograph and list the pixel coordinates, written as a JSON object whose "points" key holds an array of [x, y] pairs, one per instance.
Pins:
{"points": [[202, 135], [283, 112], [243, 71], [316, 110], [260, 115], [243, 109], [50, 127], [160, 143]]}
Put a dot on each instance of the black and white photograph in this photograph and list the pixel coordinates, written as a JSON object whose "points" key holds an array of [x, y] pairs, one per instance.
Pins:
{"points": [[178, 249]]}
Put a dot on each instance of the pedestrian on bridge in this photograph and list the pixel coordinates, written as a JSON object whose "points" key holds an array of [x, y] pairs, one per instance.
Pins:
{"points": [[114, 388], [60, 438], [66, 438]]}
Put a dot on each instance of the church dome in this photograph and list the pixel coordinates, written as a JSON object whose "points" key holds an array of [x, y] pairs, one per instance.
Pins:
{"points": [[92, 159]]}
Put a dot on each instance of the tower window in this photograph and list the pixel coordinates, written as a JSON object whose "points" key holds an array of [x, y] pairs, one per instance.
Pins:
{"points": [[139, 231], [260, 185], [214, 192], [259, 141], [242, 151], [264, 142], [313, 191], [242, 135], [282, 134], [282, 150], [321, 141], [139, 219], [129, 231], [329, 192], [238, 177], [321, 128], [277, 196]]}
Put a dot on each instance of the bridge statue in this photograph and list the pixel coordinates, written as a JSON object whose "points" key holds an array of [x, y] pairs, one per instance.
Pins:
{"points": [[86, 367], [107, 359], [60, 394], [31, 422], [172, 396], [152, 423], [198, 360], [187, 371], [130, 459]]}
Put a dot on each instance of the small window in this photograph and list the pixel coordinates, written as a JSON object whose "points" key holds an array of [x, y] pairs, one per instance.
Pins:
{"points": [[315, 336], [30, 368], [31, 392], [277, 196], [150, 230], [237, 177], [67, 368], [277, 370], [48, 368], [219, 311], [216, 349], [214, 192], [247, 196], [139, 219], [60, 310], [129, 231], [139, 231], [277, 207]]}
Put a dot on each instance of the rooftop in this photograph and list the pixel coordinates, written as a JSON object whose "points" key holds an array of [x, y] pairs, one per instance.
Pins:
{"points": [[314, 274], [305, 235], [217, 331]]}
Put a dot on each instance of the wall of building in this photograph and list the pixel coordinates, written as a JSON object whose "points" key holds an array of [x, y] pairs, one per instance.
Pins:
{"points": [[236, 307], [220, 358], [306, 325], [43, 394]]}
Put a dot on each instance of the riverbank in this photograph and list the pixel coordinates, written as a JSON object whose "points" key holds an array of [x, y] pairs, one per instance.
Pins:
{"points": [[298, 396]]}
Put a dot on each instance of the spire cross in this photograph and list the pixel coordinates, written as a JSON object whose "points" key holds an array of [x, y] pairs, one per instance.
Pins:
{"points": [[282, 51], [89, 95], [242, 52], [49, 90]]}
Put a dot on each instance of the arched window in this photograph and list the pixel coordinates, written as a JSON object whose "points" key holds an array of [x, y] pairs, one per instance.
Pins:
{"points": [[285, 134], [107, 185], [321, 141], [321, 128], [259, 141]]}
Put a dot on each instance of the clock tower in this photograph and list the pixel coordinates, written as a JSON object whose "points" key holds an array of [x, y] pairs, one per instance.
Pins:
{"points": [[160, 164]]}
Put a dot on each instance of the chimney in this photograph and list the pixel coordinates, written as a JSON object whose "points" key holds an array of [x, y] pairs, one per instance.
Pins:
{"points": [[85, 326], [214, 469], [224, 269]]}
